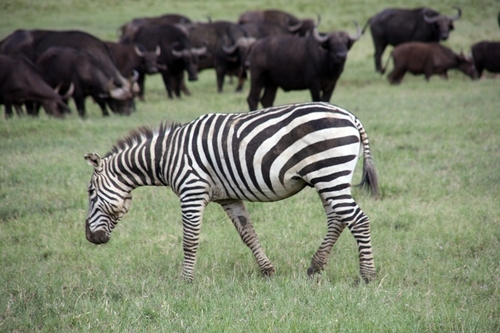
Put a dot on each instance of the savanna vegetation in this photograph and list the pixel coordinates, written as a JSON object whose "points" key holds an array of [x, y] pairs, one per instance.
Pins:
{"points": [[435, 231]]}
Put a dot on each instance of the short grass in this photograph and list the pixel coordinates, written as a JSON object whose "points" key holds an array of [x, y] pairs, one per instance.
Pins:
{"points": [[435, 231]]}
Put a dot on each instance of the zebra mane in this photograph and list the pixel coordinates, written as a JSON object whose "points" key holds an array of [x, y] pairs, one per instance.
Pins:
{"points": [[140, 135]]}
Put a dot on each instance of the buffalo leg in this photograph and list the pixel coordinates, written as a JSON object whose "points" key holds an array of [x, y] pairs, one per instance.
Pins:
{"points": [[254, 94], [269, 96], [379, 50]]}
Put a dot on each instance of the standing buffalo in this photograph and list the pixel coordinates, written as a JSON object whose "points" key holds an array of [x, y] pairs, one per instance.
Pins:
{"points": [[32, 43], [134, 57], [240, 46], [129, 29], [427, 59], [281, 18], [66, 66], [296, 63], [21, 83], [215, 35], [486, 56], [176, 55], [397, 26]]}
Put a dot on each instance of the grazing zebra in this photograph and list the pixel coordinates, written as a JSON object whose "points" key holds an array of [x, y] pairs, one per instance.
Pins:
{"points": [[260, 156]]}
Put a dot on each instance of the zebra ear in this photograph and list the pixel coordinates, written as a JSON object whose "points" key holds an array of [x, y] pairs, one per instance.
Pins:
{"points": [[93, 159]]}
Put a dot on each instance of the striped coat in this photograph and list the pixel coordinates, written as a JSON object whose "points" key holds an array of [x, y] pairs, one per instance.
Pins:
{"points": [[261, 156]]}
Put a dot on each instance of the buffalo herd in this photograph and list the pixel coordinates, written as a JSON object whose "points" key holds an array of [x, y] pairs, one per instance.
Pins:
{"points": [[47, 68]]}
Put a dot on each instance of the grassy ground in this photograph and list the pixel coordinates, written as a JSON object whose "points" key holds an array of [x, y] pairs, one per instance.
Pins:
{"points": [[435, 231]]}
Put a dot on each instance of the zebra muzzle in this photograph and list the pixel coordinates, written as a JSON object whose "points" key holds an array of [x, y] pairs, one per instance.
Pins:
{"points": [[96, 237]]}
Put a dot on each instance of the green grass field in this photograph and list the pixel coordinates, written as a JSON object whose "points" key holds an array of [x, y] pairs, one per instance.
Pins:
{"points": [[435, 232]]}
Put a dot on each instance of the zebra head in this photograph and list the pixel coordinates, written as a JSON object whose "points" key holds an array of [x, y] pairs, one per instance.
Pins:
{"points": [[107, 202]]}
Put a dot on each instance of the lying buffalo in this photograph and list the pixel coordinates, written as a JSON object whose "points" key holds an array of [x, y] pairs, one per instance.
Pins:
{"points": [[66, 66], [427, 59], [486, 55], [21, 83], [297, 63], [397, 26]]}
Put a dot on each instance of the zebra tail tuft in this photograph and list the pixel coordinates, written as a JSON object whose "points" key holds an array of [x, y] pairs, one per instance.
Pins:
{"points": [[370, 179]]}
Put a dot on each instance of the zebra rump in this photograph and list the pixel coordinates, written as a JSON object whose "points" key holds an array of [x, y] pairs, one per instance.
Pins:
{"points": [[260, 156]]}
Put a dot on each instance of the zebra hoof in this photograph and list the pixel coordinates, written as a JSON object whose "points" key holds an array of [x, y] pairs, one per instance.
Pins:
{"points": [[311, 271], [268, 272]]}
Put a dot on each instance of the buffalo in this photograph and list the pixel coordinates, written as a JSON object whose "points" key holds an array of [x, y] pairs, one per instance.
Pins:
{"points": [[66, 66], [283, 19], [296, 63], [427, 59], [239, 46], [397, 26], [177, 55], [20, 82], [130, 29], [32, 43], [486, 55], [134, 57], [215, 35]]}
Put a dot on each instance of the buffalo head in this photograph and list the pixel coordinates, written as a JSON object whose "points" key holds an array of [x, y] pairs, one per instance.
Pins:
{"points": [[149, 59], [337, 43], [443, 23]]}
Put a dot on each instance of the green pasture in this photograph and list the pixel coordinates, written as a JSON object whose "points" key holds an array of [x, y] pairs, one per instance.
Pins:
{"points": [[435, 231]]}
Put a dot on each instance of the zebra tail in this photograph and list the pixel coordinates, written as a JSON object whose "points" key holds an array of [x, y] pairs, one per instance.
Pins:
{"points": [[370, 179]]}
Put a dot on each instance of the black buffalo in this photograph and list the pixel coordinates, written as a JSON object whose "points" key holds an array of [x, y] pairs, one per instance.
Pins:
{"points": [[215, 35], [396, 26], [129, 29], [296, 63], [21, 83], [239, 46], [427, 59], [283, 19], [486, 55], [130, 57], [32, 43], [66, 66], [177, 55]]}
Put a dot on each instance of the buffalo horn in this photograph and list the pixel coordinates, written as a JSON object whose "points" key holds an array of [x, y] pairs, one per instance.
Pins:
{"points": [[177, 54], [135, 76], [295, 28], [157, 50], [69, 92], [358, 32], [453, 18], [429, 19], [138, 52], [320, 39], [198, 51], [230, 49]]}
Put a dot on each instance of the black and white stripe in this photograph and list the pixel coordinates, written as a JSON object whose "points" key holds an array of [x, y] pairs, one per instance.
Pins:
{"points": [[260, 156]]}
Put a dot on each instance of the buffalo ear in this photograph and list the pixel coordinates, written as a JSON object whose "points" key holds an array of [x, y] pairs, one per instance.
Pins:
{"points": [[93, 159]]}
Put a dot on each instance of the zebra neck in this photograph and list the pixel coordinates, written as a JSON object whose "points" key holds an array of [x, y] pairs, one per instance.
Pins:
{"points": [[136, 166]]}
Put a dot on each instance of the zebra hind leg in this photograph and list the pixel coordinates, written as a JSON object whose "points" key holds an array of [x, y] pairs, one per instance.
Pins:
{"points": [[241, 219], [339, 215], [359, 225], [335, 228]]}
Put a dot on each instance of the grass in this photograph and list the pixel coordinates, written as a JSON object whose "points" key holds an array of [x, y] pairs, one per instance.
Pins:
{"points": [[435, 230]]}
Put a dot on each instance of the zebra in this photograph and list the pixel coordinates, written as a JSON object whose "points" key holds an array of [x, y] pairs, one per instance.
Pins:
{"points": [[259, 156]]}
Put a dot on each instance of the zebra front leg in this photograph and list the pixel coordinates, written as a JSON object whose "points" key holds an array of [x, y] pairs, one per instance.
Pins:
{"points": [[192, 213], [239, 216]]}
